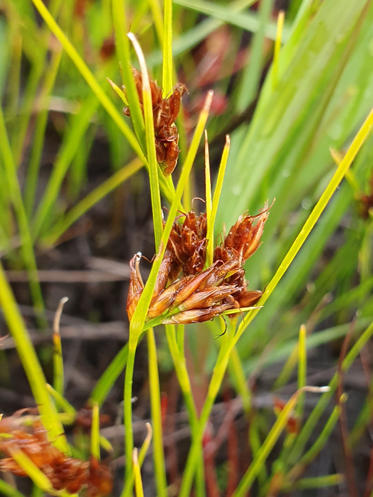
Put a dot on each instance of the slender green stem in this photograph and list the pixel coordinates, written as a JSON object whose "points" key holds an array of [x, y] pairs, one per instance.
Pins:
{"points": [[178, 358], [127, 406], [167, 69], [95, 432], [39, 135], [155, 402], [302, 367], [137, 472]]}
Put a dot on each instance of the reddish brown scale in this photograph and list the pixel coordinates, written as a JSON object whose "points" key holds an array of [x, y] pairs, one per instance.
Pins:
{"points": [[244, 237], [165, 112], [188, 243], [136, 285], [197, 315]]}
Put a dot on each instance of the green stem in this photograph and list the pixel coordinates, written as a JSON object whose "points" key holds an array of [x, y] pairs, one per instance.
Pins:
{"points": [[158, 453], [127, 406]]}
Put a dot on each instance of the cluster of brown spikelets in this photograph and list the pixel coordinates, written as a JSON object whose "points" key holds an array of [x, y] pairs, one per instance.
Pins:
{"points": [[63, 472], [165, 111], [185, 292]]}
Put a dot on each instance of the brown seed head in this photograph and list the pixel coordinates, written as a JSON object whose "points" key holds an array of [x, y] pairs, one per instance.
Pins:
{"points": [[63, 472], [165, 112]]}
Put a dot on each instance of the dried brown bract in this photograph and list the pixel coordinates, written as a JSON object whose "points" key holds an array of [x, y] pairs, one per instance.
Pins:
{"points": [[200, 294], [165, 111], [63, 472]]}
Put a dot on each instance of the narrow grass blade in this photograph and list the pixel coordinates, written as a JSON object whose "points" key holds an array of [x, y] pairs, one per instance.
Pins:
{"points": [[167, 66], [210, 225], [39, 135], [72, 141], [276, 54], [137, 472], [123, 48], [31, 365], [245, 20], [95, 432], [58, 368], [216, 198], [91, 200], [108, 378], [15, 197]]}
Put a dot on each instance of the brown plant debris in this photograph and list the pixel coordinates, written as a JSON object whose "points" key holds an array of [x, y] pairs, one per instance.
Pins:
{"points": [[165, 111], [73, 475], [185, 292]]}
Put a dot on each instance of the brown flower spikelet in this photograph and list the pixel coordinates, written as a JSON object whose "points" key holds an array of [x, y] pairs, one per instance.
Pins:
{"points": [[165, 111], [62, 471], [200, 295]]}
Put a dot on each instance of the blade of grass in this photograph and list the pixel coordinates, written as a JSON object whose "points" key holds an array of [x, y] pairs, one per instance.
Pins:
{"points": [[249, 83], [31, 365], [123, 48], [95, 432], [91, 200], [216, 199], [302, 367], [58, 368], [137, 472], [15, 195], [167, 66], [245, 20], [276, 54], [72, 141], [208, 200], [108, 378], [39, 134]]}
